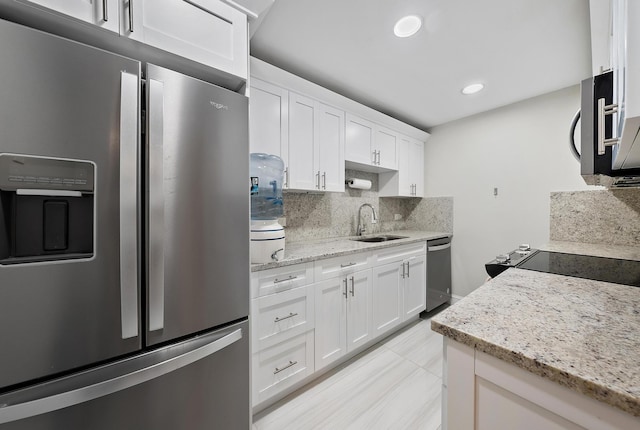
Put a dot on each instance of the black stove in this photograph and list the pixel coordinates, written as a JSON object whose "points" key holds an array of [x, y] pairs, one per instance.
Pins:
{"points": [[617, 271]]}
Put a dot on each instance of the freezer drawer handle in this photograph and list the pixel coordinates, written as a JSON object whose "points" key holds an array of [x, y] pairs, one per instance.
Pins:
{"points": [[155, 154], [90, 392], [105, 12], [129, 204], [291, 363], [439, 247], [291, 315]]}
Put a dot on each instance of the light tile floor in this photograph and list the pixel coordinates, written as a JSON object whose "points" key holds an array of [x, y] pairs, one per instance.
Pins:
{"points": [[396, 384]]}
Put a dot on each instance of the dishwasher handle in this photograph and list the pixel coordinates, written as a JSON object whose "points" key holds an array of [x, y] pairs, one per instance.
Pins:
{"points": [[438, 247]]}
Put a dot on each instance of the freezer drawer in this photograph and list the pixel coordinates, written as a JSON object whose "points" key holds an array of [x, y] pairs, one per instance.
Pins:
{"points": [[201, 383]]}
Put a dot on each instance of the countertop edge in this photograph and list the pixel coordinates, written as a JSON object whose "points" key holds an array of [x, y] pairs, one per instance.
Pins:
{"points": [[363, 247], [617, 399]]}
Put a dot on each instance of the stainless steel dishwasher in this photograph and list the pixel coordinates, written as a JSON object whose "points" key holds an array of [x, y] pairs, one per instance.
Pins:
{"points": [[438, 272]]}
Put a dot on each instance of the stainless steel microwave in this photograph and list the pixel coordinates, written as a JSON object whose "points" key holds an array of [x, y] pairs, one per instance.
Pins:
{"points": [[600, 130]]}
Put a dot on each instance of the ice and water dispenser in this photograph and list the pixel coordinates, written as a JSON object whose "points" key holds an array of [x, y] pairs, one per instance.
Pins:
{"points": [[267, 235], [46, 209]]}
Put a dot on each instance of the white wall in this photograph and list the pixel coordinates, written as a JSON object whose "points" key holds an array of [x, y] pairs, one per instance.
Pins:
{"points": [[521, 149]]}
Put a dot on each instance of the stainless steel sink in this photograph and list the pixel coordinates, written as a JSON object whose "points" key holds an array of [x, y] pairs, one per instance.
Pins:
{"points": [[381, 238]]}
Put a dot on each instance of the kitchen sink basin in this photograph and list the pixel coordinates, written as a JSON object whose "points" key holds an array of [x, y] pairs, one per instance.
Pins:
{"points": [[381, 238]]}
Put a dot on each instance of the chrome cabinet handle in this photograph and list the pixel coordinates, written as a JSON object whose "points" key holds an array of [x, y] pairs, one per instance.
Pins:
{"points": [[318, 180], [129, 91], [344, 293], [286, 178], [408, 272], [604, 110], [348, 265], [155, 187], [291, 315], [27, 409], [324, 180], [403, 273], [278, 370], [375, 154], [379, 157], [353, 286], [105, 11], [289, 278], [131, 16]]}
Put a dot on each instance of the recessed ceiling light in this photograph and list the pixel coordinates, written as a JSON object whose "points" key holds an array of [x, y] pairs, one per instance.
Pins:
{"points": [[407, 26], [472, 89]]}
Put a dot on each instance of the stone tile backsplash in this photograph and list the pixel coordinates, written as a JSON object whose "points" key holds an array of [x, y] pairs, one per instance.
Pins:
{"points": [[324, 215], [610, 217]]}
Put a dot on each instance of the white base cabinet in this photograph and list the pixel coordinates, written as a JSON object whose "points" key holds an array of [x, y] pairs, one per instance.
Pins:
{"points": [[307, 318], [343, 322], [482, 392]]}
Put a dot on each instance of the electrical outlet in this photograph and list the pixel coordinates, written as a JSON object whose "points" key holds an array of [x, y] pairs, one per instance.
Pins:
{"points": [[397, 217]]}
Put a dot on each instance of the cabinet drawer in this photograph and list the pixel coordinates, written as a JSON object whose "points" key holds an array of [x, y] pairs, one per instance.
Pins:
{"points": [[281, 366], [343, 265], [388, 255], [271, 281], [280, 316]]}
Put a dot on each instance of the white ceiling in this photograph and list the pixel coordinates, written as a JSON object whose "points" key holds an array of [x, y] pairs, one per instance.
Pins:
{"points": [[517, 48]]}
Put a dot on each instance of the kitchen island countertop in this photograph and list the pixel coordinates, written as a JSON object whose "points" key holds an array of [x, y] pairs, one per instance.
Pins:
{"points": [[312, 250], [582, 334]]}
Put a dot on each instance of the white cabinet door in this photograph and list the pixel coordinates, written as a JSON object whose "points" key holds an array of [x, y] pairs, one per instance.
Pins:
{"points": [[330, 302], [358, 309], [405, 186], [386, 297], [415, 286], [386, 143], [329, 150], [102, 13], [416, 167], [206, 31], [269, 120], [359, 140], [303, 135]]}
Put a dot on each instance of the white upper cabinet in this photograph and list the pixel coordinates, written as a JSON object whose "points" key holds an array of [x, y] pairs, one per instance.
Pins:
{"points": [[102, 13], [207, 31], [303, 137], [330, 148], [370, 145], [269, 121], [359, 141], [386, 144], [625, 59], [408, 181], [316, 145]]}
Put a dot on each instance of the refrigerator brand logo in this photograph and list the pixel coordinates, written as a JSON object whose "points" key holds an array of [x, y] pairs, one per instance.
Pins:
{"points": [[218, 105]]}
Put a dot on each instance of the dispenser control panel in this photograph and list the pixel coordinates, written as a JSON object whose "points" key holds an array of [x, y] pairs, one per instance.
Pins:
{"points": [[30, 172]]}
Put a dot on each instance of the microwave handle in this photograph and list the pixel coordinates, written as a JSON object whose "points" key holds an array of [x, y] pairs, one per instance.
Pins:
{"points": [[572, 136], [603, 110]]}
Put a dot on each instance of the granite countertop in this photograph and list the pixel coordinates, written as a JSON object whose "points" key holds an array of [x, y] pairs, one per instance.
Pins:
{"points": [[580, 333], [302, 252]]}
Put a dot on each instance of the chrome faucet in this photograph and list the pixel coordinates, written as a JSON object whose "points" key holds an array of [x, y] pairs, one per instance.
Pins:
{"points": [[374, 218]]}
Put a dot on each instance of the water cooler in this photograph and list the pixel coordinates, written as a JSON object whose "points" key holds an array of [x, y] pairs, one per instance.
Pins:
{"points": [[267, 235]]}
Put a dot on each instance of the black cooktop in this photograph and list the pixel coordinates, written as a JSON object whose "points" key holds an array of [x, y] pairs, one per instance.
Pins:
{"points": [[625, 272]]}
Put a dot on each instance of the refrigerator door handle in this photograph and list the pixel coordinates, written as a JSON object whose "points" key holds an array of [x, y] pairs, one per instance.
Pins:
{"points": [[129, 204], [109, 386], [155, 115]]}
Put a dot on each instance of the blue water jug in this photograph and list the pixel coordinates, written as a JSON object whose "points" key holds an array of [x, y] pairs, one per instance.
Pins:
{"points": [[267, 172]]}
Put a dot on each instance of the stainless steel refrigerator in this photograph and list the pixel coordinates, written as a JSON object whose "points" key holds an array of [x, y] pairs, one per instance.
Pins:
{"points": [[124, 260]]}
